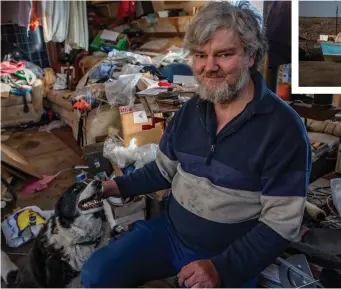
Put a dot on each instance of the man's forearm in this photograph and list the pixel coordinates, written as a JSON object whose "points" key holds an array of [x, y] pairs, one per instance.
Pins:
{"points": [[146, 180], [249, 255]]}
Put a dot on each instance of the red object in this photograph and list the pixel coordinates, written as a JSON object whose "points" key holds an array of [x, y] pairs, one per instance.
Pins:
{"points": [[125, 9], [164, 83], [9, 67], [34, 21], [154, 121], [82, 105], [284, 91]]}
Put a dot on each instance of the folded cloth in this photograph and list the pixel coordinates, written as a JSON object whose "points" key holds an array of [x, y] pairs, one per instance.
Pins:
{"points": [[8, 67]]}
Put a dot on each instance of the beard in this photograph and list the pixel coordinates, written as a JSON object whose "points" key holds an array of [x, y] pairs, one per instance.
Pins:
{"points": [[222, 94]]}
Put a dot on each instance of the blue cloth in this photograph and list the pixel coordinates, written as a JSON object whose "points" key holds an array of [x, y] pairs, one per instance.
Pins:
{"points": [[176, 69], [150, 251]]}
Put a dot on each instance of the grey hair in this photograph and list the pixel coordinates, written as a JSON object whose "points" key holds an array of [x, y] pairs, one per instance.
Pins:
{"points": [[241, 17]]}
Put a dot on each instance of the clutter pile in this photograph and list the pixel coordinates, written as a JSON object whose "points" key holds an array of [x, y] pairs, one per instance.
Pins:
{"points": [[314, 259]]}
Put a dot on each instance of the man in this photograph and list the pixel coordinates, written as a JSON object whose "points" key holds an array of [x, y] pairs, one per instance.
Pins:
{"points": [[237, 159]]}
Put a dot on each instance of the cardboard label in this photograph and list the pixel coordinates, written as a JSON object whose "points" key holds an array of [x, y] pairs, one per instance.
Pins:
{"points": [[140, 117]]}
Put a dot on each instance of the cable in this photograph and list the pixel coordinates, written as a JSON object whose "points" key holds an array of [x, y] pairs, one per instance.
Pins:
{"points": [[330, 208]]}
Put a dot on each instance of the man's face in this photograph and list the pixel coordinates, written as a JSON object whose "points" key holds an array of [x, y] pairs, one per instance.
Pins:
{"points": [[221, 67]]}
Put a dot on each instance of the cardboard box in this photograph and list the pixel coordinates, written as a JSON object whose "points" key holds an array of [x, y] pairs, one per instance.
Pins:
{"points": [[132, 130], [129, 213]]}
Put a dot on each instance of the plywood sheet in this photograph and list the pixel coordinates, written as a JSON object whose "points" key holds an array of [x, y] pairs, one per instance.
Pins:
{"points": [[19, 166], [45, 152], [35, 143]]}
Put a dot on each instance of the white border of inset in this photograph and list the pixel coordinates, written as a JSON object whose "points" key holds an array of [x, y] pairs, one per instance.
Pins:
{"points": [[295, 61]]}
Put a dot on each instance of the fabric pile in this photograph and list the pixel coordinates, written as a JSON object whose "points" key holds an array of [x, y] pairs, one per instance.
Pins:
{"points": [[18, 77]]}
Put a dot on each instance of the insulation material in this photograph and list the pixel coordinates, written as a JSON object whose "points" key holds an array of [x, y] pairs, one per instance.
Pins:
{"points": [[325, 127]]}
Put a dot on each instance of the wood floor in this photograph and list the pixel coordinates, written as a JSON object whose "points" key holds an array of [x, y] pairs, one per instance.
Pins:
{"points": [[48, 155]]}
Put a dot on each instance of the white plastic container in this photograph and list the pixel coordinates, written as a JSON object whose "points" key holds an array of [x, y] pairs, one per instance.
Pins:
{"points": [[163, 14]]}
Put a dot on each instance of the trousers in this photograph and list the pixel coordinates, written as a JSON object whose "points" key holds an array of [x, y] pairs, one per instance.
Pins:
{"points": [[151, 250]]}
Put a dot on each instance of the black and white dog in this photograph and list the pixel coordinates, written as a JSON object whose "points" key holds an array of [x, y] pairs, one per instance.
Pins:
{"points": [[70, 236]]}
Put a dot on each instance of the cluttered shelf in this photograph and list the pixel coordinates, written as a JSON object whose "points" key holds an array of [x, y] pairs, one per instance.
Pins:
{"points": [[315, 112]]}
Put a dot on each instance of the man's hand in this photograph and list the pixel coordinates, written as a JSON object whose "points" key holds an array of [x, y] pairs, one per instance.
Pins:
{"points": [[110, 189], [199, 274]]}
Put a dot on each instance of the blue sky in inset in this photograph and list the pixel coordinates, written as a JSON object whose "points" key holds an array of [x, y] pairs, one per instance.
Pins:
{"points": [[319, 8]]}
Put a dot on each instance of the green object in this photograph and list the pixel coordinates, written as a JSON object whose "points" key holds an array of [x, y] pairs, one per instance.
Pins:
{"points": [[96, 43], [22, 75], [122, 44], [99, 43]]}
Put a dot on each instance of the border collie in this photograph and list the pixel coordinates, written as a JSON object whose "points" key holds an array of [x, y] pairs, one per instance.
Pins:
{"points": [[70, 236]]}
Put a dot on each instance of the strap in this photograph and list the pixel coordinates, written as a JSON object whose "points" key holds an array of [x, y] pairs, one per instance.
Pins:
{"points": [[89, 243]]}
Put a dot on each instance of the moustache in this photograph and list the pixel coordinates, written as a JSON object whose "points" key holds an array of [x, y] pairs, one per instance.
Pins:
{"points": [[215, 74]]}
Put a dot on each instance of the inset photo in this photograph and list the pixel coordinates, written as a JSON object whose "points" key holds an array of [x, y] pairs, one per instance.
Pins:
{"points": [[319, 44]]}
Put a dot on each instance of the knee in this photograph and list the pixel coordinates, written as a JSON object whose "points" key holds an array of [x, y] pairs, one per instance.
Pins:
{"points": [[93, 271], [105, 270]]}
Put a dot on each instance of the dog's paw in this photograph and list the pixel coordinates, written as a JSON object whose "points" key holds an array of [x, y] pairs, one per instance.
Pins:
{"points": [[117, 232]]}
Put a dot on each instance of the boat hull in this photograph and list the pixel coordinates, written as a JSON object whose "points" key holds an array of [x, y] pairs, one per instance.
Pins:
{"points": [[331, 51]]}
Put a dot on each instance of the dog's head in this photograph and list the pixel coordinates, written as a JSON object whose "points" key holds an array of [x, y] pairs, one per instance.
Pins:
{"points": [[78, 200]]}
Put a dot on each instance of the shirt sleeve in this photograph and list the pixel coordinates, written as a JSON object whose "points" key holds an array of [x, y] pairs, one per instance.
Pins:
{"points": [[155, 176], [285, 177]]}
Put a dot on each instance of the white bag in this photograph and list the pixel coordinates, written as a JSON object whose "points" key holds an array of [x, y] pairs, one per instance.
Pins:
{"points": [[16, 236]]}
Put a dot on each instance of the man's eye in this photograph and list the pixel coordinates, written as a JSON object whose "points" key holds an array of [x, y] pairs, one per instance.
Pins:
{"points": [[200, 56], [225, 55]]}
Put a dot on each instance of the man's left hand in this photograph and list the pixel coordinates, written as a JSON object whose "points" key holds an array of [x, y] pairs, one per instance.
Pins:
{"points": [[199, 274]]}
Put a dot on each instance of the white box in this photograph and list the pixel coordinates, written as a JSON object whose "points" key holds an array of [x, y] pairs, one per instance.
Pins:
{"points": [[129, 213]]}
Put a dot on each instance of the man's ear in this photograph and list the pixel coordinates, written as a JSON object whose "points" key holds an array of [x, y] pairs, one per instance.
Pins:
{"points": [[251, 61]]}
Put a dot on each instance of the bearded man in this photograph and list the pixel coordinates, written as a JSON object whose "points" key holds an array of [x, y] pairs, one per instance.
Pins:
{"points": [[237, 160]]}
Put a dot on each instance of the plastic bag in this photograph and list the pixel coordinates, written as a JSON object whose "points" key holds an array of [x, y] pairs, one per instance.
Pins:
{"points": [[34, 68], [135, 58], [86, 94], [24, 225], [335, 185], [52, 125], [122, 91], [130, 69], [124, 156], [114, 150], [61, 82], [145, 154], [176, 55], [102, 71]]}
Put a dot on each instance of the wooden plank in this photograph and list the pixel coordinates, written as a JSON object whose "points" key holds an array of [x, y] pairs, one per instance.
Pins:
{"points": [[13, 154], [22, 168], [319, 73]]}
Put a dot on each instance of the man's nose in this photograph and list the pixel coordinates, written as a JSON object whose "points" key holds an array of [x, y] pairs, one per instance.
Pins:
{"points": [[211, 64]]}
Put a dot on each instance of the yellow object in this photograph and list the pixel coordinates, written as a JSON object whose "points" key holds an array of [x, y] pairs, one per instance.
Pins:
{"points": [[29, 218]]}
